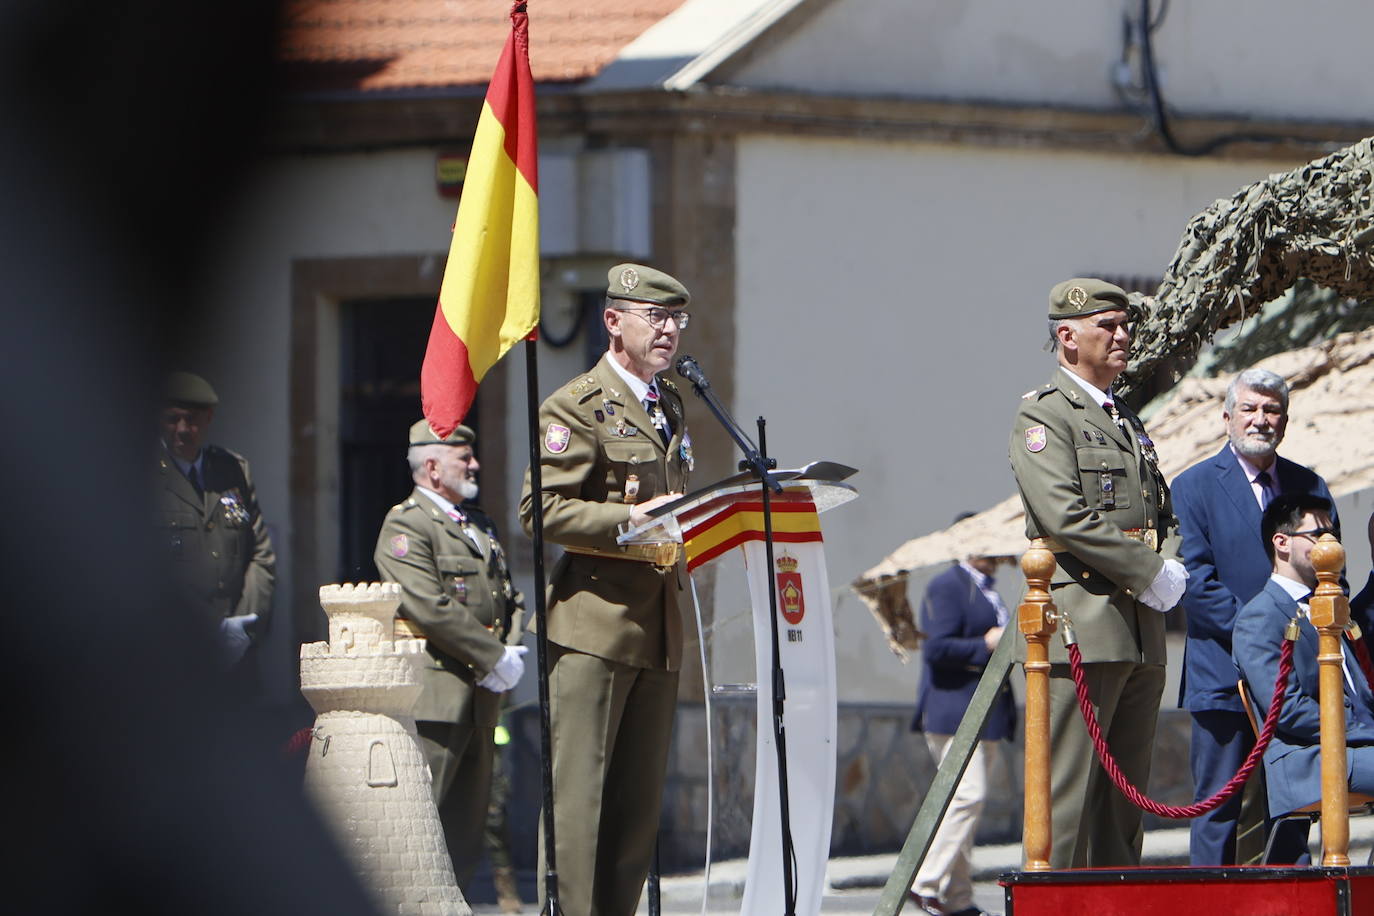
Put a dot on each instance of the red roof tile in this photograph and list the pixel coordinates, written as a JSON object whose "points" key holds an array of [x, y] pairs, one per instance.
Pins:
{"points": [[395, 44]]}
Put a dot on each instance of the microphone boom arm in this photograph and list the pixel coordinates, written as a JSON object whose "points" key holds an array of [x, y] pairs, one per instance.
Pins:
{"points": [[753, 460]]}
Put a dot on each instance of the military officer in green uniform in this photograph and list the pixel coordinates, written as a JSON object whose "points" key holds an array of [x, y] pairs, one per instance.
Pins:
{"points": [[456, 594], [615, 446], [1091, 486], [207, 513]]}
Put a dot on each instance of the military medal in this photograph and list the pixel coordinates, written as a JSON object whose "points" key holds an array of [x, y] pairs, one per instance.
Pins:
{"points": [[1108, 490], [234, 511], [622, 430], [610, 408], [632, 488], [460, 588], [658, 419], [1101, 439], [684, 450]]}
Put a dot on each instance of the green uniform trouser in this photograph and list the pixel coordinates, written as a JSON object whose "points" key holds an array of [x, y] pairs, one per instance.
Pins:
{"points": [[459, 758], [1094, 825], [611, 727]]}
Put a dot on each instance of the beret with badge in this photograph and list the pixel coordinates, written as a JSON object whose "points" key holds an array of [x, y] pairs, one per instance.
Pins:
{"points": [[422, 434], [638, 283], [1087, 296]]}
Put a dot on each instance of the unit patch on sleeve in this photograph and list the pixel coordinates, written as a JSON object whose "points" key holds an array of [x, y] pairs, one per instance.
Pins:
{"points": [[1036, 439], [556, 438]]}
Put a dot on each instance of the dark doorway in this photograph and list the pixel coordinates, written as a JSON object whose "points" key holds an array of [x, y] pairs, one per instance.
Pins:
{"points": [[382, 344]]}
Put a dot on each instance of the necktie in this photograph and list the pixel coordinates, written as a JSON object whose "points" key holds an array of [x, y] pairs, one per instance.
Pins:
{"points": [[193, 475], [1267, 488]]}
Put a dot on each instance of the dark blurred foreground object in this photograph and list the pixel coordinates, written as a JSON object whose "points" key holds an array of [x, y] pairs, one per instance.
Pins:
{"points": [[134, 785]]}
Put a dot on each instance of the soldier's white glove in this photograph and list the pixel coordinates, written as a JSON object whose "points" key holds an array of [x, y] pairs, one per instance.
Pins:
{"points": [[507, 672], [1167, 587], [234, 639]]}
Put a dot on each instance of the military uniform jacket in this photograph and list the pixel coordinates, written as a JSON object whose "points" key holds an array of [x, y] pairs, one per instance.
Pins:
{"points": [[456, 589], [600, 453], [1083, 481], [216, 544]]}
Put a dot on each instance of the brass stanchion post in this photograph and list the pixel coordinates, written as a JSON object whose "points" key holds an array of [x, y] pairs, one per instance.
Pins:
{"points": [[1035, 619], [1329, 611]]}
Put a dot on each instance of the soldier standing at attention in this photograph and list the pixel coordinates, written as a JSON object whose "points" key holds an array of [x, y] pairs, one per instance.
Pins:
{"points": [[456, 594], [220, 556], [1090, 483], [615, 447]]}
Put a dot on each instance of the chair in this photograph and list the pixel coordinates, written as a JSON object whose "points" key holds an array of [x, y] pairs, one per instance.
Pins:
{"points": [[1359, 803]]}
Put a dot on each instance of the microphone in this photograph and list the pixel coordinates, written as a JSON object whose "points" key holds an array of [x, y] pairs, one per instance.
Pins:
{"points": [[687, 368]]}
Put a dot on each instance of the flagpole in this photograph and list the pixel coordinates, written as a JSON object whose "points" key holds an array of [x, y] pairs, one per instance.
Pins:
{"points": [[540, 616]]}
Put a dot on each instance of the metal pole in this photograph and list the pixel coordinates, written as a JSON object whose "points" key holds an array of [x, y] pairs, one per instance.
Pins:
{"points": [[551, 906]]}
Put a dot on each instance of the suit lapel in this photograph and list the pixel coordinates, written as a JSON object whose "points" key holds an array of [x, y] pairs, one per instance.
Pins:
{"points": [[633, 412], [1236, 486], [1093, 413], [178, 485]]}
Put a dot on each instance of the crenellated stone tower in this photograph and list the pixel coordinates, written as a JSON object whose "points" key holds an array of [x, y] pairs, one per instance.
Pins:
{"points": [[366, 771]]}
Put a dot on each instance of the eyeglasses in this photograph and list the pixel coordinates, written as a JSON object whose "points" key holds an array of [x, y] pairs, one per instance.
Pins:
{"points": [[658, 317], [1314, 533]]}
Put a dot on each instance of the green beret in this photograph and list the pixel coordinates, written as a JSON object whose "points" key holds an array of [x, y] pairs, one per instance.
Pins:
{"points": [[1086, 296], [644, 284], [185, 389], [421, 434]]}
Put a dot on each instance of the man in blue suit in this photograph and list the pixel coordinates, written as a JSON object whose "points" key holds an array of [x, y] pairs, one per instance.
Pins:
{"points": [[963, 618], [1292, 762], [1219, 503]]}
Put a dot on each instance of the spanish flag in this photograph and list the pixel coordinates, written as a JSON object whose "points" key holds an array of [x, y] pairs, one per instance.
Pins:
{"points": [[489, 299]]}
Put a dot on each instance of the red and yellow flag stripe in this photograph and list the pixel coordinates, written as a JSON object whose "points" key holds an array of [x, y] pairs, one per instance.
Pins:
{"points": [[795, 521], [489, 299]]}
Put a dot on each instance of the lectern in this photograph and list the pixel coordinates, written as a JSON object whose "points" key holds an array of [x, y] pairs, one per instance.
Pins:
{"points": [[709, 524]]}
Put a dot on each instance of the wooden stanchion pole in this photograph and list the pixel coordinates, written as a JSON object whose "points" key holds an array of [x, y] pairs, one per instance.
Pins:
{"points": [[1035, 619], [1329, 611]]}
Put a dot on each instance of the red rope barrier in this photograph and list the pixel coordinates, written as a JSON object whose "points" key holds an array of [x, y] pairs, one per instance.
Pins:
{"points": [[1142, 801]]}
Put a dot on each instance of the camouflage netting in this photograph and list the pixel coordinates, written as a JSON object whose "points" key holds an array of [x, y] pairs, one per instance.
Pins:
{"points": [[1315, 222]]}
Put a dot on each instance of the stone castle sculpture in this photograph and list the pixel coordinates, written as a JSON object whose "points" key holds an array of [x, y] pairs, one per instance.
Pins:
{"points": [[365, 770]]}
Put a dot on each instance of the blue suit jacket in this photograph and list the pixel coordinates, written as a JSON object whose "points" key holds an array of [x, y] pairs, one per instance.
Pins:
{"points": [[1219, 521], [1292, 762], [955, 615]]}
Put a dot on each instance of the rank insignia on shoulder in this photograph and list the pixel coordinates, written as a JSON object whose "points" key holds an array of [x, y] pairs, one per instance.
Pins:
{"points": [[400, 546], [1030, 394], [581, 385], [1036, 440], [556, 438]]}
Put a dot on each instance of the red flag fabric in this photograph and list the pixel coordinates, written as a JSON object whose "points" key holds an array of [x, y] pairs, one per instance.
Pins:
{"points": [[489, 299]]}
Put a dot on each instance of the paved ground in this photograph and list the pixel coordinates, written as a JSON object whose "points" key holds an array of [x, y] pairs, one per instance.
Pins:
{"points": [[854, 884]]}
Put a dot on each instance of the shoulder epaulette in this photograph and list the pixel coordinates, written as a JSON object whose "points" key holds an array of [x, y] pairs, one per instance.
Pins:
{"points": [[1039, 392], [581, 384]]}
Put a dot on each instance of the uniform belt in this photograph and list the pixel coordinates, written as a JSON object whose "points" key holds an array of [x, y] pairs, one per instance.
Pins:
{"points": [[406, 629], [1147, 536], [664, 556]]}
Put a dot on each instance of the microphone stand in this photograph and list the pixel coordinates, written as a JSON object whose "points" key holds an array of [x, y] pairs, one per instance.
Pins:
{"points": [[755, 459]]}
